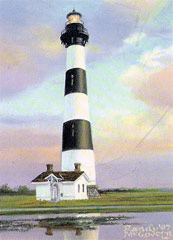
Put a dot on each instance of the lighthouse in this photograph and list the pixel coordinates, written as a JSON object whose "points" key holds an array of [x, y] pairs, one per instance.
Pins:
{"points": [[77, 145], [77, 178]]}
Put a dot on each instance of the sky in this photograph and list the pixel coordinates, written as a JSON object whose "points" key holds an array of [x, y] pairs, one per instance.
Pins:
{"points": [[130, 86]]}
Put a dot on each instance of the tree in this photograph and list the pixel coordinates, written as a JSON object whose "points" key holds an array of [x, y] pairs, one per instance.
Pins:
{"points": [[23, 190], [6, 189]]}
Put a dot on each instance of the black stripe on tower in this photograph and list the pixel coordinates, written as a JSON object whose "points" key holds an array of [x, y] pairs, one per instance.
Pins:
{"points": [[77, 135], [75, 81]]}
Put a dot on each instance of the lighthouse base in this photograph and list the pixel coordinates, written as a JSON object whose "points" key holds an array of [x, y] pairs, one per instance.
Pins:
{"points": [[92, 191]]}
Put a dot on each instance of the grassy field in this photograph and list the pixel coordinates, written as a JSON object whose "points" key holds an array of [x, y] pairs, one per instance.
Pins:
{"points": [[96, 210], [137, 198]]}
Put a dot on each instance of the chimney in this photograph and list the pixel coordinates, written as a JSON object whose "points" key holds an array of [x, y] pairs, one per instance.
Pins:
{"points": [[49, 167], [77, 167]]}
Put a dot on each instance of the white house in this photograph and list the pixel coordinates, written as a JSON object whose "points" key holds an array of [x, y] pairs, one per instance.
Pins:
{"points": [[63, 185]]}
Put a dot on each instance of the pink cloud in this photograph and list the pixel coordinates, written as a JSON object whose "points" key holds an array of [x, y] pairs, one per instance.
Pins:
{"points": [[158, 89], [18, 166], [28, 138], [25, 153], [29, 62]]}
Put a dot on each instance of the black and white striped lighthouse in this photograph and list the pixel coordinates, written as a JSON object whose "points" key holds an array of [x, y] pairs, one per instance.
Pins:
{"points": [[77, 146]]}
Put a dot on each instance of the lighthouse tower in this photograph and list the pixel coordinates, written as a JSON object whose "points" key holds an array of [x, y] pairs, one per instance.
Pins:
{"points": [[77, 178], [77, 146]]}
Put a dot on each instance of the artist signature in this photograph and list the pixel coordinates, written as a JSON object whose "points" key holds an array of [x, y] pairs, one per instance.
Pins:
{"points": [[160, 231]]}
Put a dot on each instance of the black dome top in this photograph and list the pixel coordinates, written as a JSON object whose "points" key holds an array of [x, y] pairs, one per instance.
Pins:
{"points": [[74, 13]]}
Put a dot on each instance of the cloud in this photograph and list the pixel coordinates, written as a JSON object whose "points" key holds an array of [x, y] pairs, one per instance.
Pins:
{"points": [[23, 164], [134, 38], [29, 137], [47, 41], [117, 138], [28, 150], [157, 91], [93, 48], [158, 57], [42, 120], [151, 81], [25, 152], [143, 8], [29, 61], [12, 55], [153, 88], [137, 171], [14, 67], [31, 154], [42, 101]]}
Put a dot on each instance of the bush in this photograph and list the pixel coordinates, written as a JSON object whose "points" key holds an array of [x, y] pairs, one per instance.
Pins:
{"points": [[21, 190], [5, 189]]}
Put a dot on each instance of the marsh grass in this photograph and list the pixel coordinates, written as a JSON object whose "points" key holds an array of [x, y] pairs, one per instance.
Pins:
{"points": [[107, 199], [127, 209]]}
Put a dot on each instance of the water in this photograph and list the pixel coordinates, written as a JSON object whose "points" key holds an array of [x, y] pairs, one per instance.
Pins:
{"points": [[126, 226]]}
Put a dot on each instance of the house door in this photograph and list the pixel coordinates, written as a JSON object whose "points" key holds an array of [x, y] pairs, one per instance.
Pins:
{"points": [[55, 193]]}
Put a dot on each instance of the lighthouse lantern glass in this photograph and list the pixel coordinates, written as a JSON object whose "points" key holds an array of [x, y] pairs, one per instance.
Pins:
{"points": [[74, 18]]}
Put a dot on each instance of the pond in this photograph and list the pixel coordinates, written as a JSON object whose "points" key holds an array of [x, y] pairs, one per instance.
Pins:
{"points": [[126, 226]]}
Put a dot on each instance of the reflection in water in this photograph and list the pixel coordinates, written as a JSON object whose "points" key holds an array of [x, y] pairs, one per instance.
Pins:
{"points": [[87, 231], [80, 234], [86, 227], [75, 233], [49, 231]]}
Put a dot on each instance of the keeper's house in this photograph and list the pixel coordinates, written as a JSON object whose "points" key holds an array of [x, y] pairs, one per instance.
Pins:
{"points": [[63, 185]]}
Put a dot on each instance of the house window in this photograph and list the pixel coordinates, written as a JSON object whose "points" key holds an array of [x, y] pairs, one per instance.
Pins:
{"points": [[78, 188], [83, 188]]}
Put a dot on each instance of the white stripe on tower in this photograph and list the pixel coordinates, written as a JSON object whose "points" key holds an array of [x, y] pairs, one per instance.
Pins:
{"points": [[75, 57], [85, 157], [76, 107], [77, 146]]}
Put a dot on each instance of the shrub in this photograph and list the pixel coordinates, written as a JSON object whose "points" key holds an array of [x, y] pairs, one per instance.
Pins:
{"points": [[5, 189]]}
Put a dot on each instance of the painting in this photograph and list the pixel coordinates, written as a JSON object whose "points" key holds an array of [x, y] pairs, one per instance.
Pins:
{"points": [[86, 119]]}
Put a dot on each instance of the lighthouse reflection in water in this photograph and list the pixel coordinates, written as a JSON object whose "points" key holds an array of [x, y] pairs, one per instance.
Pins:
{"points": [[102, 226], [75, 233], [78, 228]]}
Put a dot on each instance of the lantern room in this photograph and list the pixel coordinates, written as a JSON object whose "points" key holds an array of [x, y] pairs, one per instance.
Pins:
{"points": [[74, 32], [74, 17]]}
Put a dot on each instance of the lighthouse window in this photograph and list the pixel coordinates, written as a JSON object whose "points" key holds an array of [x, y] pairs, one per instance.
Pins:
{"points": [[78, 188], [72, 82], [83, 188], [72, 131], [72, 79]]}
